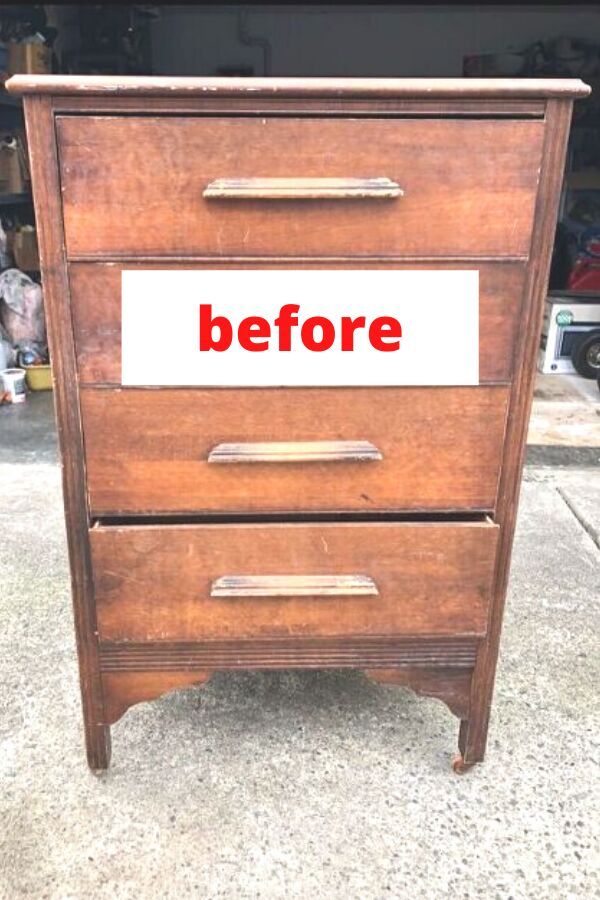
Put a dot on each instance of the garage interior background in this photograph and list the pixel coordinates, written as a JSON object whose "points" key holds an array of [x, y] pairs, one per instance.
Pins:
{"points": [[335, 40], [320, 39]]}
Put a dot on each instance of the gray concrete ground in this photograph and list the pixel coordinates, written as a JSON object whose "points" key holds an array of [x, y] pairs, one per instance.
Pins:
{"points": [[301, 785]]}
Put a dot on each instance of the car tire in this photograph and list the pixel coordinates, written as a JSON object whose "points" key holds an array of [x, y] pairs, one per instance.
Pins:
{"points": [[586, 355]]}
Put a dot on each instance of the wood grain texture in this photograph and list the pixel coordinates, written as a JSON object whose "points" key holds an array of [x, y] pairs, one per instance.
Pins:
{"points": [[432, 580], [96, 309], [46, 193], [377, 651], [451, 686], [481, 163], [373, 88], [441, 449], [152, 201], [123, 690], [473, 733]]}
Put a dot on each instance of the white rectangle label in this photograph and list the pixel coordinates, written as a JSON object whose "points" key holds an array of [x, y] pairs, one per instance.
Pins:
{"points": [[279, 327]]}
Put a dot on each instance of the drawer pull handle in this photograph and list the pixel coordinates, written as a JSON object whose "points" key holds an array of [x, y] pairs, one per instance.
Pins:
{"points": [[302, 189], [294, 586], [295, 452]]}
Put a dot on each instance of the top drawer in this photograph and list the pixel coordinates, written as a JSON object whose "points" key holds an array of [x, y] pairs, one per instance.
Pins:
{"points": [[134, 186]]}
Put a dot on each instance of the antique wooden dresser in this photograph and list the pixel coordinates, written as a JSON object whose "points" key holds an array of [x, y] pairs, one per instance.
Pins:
{"points": [[363, 527]]}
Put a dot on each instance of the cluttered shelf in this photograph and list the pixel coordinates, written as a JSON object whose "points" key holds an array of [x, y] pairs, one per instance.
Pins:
{"points": [[27, 37], [18, 239], [22, 329]]}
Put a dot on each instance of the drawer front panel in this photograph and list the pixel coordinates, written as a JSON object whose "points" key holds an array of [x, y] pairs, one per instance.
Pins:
{"points": [[96, 312], [190, 583], [135, 185], [147, 451]]}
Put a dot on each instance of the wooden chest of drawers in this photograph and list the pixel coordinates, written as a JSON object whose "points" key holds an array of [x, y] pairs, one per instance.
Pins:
{"points": [[365, 527]]}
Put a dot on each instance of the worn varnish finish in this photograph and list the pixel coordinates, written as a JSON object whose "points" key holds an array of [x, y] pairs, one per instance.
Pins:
{"points": [[301, 653], [414, 600], [451, 685], [96, 309], [469, 179], [431, 579], [46, 192], [144, 469], [249, 89], [124, 688], [473, 730], [302, 189]]}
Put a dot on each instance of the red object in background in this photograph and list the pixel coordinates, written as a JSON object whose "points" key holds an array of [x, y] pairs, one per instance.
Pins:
{"points": [[585, 275]]}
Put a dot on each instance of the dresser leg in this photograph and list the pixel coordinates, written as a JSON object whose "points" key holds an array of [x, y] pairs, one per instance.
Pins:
{"points": [[472, 737], [97, 742], [463, 762]]}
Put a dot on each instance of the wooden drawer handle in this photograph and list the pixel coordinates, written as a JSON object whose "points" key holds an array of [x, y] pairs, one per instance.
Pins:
{"points": [[302, 189], [295, 452], [294, 586]]}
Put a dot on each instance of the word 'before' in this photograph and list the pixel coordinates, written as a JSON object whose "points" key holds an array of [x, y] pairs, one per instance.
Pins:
{"points": [[316, 333]]}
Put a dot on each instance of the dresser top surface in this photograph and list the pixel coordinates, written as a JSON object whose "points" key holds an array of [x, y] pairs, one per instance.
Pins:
{"points": [[408, 88]]}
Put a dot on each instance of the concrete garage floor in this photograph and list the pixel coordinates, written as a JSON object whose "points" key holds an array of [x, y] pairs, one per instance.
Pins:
{"points": [[302, 785]]}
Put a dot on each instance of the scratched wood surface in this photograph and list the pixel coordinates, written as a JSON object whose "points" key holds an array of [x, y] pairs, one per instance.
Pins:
{"points": [[474, 730], [46, 192], [431, 579], [481, 164], [469, 186], [147, 450], [444, 89]]}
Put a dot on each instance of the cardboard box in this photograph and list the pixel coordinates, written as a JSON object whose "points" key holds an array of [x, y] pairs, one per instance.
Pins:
{"points": [[24, 248], [32, 59]]}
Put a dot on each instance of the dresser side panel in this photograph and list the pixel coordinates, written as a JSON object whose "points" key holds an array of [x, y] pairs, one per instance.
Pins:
{"points": [[48, 208], [558, 118]]}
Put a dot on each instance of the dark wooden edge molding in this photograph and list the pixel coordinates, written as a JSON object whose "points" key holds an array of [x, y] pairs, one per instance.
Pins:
{"points": [[153, 86], [351, 652], [437, 668], [473, 733], [46, 189], [125, 688], [357, 262], [303, 107]]}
